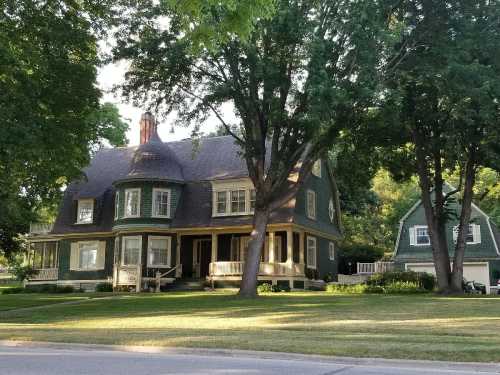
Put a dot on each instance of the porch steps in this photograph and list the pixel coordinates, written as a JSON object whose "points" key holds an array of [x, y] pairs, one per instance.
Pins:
{"points": [[182, 285]]}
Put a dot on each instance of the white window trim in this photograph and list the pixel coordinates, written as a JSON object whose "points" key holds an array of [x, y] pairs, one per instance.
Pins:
{"points": [[317, 167], [308, 249], [248, 210], [78, 212], [122, 252], [331, 210], [415, 227], [117, 205], [331, 250], [138, 203], [312, 193], [169, 251], [475, 241], [169, 192], [79, 245]]}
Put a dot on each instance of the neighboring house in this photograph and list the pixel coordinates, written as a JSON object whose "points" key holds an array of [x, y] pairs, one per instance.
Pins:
{"points": [[184, 210], [482, 256]]}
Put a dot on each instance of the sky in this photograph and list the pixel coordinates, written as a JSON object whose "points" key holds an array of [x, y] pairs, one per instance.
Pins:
{"points": [[113, 74]]}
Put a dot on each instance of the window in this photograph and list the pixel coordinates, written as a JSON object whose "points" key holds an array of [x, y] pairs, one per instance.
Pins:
{"points": [[85, 211], [159, 251], [419, 236], [238, 201], [252, 200], [117, 204], [316, 169], [161, 202], [331, 251], [221, 202], [132, 202], [43, 255], [87, 255], [131, 254], [311, 252], [311, 204], [233, 198], [331, 210], [473, 235]]}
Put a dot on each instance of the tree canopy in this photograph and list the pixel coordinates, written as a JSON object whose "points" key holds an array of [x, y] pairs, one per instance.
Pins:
{"points": [[49, 100]]}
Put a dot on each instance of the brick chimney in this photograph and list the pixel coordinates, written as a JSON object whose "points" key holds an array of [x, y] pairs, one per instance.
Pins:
{"points": [[148, 127]]}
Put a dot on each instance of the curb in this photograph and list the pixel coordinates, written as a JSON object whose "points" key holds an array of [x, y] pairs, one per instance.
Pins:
{"points": [[352, 361]]}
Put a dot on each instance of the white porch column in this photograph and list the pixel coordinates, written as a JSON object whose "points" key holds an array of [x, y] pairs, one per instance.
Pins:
{"points": [[178, 270], [271, 247], [214, 248], [289, 250], [301, 247]]}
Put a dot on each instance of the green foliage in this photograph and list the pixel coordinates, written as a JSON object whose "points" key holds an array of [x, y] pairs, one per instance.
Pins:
{"points": [[374, 289], [49, 288], [354, 254], [20, 271], [311, 273], [422, 280], [403, 287], [14, 290], [346, 289], [49, 101], [264, 288], [104, 287]]}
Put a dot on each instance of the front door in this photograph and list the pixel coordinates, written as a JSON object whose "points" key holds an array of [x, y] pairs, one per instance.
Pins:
{"points": [[206, 254], [202, 256]]}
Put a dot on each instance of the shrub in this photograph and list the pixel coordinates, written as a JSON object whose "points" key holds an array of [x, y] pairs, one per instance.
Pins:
{"points": [[374, 289], [13, 290], [346, 289], [357, 253], [423, 280], [264, 288], [104, 287], [65, 289], [403, 287], [328, 278]]}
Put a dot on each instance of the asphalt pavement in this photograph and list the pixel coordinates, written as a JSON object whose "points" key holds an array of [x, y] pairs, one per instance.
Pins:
{"points": [[61, 359]]}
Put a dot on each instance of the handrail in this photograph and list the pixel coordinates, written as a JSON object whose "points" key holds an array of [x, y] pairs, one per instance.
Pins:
{"points": [[160, 275]]}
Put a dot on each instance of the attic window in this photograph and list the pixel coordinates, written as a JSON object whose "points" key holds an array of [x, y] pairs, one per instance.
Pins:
{"points": [[331, 210], [419, 236], [316, 169], [85, 211], [311, 204]]}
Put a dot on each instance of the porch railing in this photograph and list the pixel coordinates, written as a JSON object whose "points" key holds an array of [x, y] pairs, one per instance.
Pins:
{"points": [[265, 268], [45, 274], [41, 228], [370, 268]]}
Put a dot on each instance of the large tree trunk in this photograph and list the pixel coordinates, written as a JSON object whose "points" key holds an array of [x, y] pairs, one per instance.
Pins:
{"points": [[465, 213], [248, 286], [433, 213]]}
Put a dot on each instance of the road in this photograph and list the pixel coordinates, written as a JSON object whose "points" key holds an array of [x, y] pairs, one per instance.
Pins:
{"points": [[46, 360]]}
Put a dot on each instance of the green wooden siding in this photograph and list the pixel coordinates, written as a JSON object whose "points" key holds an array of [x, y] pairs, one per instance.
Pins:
{"points": [[323, 263], [146, 202], [485, 249], [64, 261], [323, 189]]}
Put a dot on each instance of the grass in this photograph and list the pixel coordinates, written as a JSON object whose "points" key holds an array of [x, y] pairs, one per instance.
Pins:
{"points": [[390, 326]]}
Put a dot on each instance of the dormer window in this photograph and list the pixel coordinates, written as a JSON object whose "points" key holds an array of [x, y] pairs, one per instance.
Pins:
{"points": [[232, 198], [316, 169], [132, 202], [238, 201], [85, 211], [161, 202]]}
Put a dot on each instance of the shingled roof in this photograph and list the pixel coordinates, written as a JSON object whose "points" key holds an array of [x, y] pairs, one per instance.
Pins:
{"points": [[193, 164]]}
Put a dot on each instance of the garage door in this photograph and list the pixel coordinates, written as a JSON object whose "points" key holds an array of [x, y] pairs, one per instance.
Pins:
{"points": [[472, 271]]}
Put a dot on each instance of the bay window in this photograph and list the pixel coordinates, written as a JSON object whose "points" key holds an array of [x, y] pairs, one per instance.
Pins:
{"points": [[161, 202], [131, 251], [132, 202], [159, 251]]}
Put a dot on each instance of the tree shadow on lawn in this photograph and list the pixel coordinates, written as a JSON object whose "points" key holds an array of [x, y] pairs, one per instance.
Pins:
{"points": [[288, 312], [382, 344]]}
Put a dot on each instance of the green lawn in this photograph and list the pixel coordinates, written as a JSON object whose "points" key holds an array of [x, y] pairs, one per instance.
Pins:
{"points": [[418, 327]]}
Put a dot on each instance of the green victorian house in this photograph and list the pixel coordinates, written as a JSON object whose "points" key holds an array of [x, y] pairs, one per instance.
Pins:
{"points": [[181, 210], [482, 255]]}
